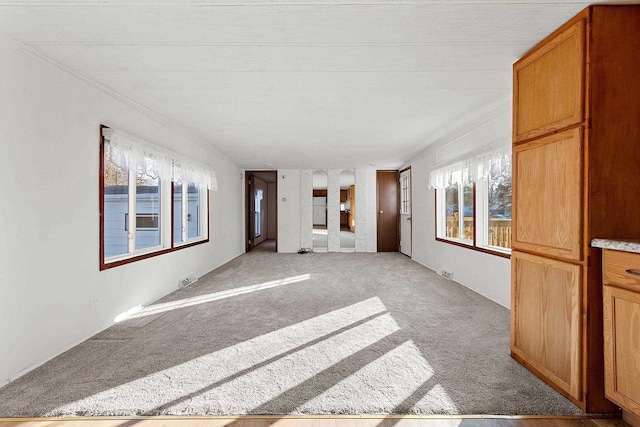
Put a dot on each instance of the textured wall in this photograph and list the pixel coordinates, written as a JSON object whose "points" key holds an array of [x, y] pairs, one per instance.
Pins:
{"points": [[333, 210], [306, 208], [288, 210], [361, 211]]}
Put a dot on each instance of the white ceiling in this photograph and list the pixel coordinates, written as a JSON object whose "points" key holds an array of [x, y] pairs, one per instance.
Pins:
{"points": [[296, 83]]}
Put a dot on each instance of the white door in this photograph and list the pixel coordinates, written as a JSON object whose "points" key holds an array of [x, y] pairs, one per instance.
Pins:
{"points": [[405, 212]]}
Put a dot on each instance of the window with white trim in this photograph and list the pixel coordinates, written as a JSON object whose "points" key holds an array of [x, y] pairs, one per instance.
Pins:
{"points": [[473, 201], [257, 213], [152, 201], [187, 226], [405, 193]]}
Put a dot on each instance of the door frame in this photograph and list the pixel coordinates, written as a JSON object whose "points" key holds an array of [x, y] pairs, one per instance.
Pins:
{"points": [[408, 168], [249, 237], [397, 181]]}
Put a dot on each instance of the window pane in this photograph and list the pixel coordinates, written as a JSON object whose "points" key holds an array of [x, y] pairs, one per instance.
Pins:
{"points": [[468, 212], [451, 207], [147, 205], [193, 211], [177, 213], [147, 221], [116, 207], [499, 203], [405, 202], [257, 212]]}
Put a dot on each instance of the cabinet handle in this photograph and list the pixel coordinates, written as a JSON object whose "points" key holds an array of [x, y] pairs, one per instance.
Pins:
{"points": [[634, 272]]}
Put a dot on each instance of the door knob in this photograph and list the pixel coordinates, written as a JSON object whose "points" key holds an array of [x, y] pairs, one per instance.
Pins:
{"points": [[381, 211]]}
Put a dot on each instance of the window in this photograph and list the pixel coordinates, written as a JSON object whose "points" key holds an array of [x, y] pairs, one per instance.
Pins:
{"points": [[473, 202], [458, 207], [498, 209], [405, 193], [257, 212], [168, 196], [186, 213]]}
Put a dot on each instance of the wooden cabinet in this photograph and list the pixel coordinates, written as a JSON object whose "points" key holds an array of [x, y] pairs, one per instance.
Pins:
{"points": [[352, 210], [621, 301], [548, 188], [549, 84], [547, 320], [575, 135]]}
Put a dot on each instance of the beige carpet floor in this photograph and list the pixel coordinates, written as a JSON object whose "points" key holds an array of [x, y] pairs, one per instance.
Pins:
{"points": [[269, 333]]}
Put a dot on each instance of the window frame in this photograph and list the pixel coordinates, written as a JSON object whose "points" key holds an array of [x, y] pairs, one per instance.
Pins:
{"points": [[184, 226], [480, 202], [405, 191], [166, 220]]}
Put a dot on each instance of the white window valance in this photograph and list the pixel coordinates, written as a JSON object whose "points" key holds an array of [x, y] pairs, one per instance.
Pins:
{"points": [[127, 149], [476, 167]]}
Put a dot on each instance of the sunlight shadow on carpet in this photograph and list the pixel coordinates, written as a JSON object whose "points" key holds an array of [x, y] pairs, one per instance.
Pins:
{"points": [[138, 311], [255, 371], [400, 373]]}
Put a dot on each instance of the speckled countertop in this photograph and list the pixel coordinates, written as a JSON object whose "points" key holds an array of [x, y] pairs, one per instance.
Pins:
{"points": [[627, 245]]}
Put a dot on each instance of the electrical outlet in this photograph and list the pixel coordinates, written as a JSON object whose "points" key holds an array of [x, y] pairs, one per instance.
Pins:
{"points": [[187, 280], [93, 302], [447, 274]]}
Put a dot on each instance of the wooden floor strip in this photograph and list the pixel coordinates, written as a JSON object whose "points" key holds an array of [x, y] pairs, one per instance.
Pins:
{"points": [[318, 421]]}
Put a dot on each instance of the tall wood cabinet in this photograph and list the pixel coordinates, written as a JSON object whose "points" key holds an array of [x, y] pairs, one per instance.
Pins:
{"points": [[576, 157]]}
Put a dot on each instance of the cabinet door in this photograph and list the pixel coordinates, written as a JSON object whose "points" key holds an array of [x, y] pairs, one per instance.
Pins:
{"points": [[547, 194], [546, 314], [622, 347], [549, 85]]}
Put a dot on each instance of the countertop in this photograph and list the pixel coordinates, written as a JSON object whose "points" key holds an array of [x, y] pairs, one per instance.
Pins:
{"points": [[626, 245]]}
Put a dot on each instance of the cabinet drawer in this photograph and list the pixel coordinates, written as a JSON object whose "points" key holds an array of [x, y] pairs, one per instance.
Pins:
{"points": [[621, 268], [622, 347]]}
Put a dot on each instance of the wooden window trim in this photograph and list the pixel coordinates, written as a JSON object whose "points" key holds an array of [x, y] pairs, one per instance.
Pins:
{"points": [[107, 265], [472, 246]]}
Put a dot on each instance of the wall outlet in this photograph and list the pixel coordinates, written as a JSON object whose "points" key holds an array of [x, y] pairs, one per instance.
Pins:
{"points": [[447, 274], [93, 302], [187, 280]]}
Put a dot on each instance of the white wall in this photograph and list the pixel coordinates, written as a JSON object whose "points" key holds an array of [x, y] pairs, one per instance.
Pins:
{"points": [[52, 294], [288, 210], [486, 274]]}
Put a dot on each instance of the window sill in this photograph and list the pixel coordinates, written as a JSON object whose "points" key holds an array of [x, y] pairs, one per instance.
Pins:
{"points": [[105, 265], [461, 244]]}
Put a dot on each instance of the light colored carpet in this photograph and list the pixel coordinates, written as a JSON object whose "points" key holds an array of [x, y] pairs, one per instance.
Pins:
{"points": [[268, 333]]}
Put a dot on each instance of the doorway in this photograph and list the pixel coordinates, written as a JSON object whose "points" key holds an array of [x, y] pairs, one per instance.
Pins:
{"points": [[387, 189], [320, 181], [261, 219]]}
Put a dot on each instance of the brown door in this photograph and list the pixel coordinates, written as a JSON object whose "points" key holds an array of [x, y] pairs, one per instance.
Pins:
{"points": [[388, 207]]}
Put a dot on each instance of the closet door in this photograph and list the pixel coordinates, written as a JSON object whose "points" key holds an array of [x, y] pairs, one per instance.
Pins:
{"points": [[546, 327], [549, 85], [547, 194]]}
